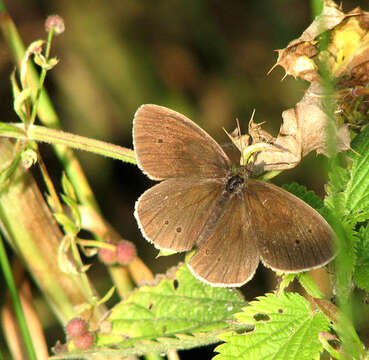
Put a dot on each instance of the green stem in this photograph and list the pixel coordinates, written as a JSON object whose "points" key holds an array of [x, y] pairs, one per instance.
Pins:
{"points": [[310, 285], [8, 276], [46, 112], [270, 175], [332, 351], [58, 137], [42, 78], [84, 278], [96, 244], [316, 7]]}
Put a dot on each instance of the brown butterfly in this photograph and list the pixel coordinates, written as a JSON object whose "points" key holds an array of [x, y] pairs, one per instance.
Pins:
{"points": [[204, 202]]}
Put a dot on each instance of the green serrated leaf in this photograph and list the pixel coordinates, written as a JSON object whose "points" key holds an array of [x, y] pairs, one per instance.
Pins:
{"points": [[307, 195], [177, 305], [361, 274], [285, 328], [337, 203], [346, 257], [177, 312], [349, 188], [158, 346], [357, 189], [339, 177]]}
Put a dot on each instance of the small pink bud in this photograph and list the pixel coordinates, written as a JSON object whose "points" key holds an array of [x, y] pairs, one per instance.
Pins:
{"points": [[126, 252], [107, 256], [84, 341], [56, 22], [76, 327]]}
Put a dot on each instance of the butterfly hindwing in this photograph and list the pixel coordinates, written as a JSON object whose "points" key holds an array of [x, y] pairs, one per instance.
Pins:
{"points": [[228, 256], [291, 236], [172, 213]]}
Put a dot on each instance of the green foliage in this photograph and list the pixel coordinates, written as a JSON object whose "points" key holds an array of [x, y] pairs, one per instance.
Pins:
{"points": [[176, 305], [176, 312], [285, 327], [8, 170], [361, 274], [357, 199], [348, 201], [348, 188], [307, 195]]}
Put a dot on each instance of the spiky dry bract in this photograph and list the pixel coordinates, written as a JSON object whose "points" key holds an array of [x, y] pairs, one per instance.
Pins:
{"points": [[107, 256], [76, 327], [125, 252], [84, 341]]}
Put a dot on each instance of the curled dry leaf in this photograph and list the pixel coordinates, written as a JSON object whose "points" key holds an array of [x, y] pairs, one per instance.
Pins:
{"points": [[299, 57], [346, 59]]}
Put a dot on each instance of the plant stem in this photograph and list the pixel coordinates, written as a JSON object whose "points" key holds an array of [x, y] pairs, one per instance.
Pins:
{"points": [[45, 110], [316, 7], [42, 78], [6, 269], [58, 137]]}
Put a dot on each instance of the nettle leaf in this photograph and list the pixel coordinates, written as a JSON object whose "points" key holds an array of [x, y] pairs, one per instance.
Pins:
{"points": [[179, 304], [307, 195], [357, 190], [361, 274], [349, 189], [177, 312], [285, 327]]}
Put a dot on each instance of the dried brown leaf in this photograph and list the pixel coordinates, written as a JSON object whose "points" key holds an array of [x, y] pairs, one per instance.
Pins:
{"points": [[297, 58], [346, 59], [303, 130]]}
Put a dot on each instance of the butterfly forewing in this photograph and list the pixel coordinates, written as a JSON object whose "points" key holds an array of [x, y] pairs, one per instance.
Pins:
{"points": [[228, 257], [290, 235], [169, 145], [172, 214]]}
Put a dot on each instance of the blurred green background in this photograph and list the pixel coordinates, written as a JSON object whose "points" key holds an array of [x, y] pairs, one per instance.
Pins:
{"points": [[206, 59]]}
